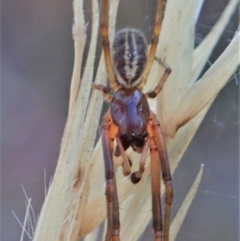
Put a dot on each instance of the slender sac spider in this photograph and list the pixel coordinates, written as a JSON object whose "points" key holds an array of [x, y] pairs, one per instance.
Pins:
{"points": [[130, 121]]}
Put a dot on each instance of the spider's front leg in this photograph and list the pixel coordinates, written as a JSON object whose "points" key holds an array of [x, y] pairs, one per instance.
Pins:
{"points": [[109, 132], [166, 174], [106, 91]]}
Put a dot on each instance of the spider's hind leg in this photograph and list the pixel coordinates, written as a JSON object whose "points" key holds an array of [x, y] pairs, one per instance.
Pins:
{"points": [[158, 88]]}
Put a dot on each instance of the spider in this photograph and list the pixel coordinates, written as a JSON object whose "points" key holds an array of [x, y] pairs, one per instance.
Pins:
{"points": [[130, 121]]}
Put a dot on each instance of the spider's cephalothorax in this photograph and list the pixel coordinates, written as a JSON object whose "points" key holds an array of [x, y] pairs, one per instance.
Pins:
{"points": [[130, 122], [129, 56], [130, 112]]}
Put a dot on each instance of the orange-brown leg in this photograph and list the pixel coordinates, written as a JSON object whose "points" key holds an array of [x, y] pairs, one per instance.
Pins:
{"points": [[106, 45], [166, 174], [158, 88], [136, 176], [109, 131], [126, 163], [156, 187], [154, 42]]}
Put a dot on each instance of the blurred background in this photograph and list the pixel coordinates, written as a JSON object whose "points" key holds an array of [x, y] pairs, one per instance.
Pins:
{"points": [[37, 61]]}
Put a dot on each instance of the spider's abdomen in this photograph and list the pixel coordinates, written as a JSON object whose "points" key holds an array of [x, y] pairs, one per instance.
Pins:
{"points": [[129, 56]]}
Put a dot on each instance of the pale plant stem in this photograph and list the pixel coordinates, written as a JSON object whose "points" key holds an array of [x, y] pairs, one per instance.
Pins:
{"points": [[202, 52], [70, 183], [79, 36], [199, 94]]}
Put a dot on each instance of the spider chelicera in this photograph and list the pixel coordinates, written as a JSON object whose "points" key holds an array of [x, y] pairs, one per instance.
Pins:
{"points": [[130, 121]]}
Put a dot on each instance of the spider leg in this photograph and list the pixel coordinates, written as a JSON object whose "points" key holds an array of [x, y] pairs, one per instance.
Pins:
{"points": [[158, 88], [106, 91], [156, 187], [154, 42], [166, 174], [106, 45], [109, 132], [126, 163], [136, 176]]}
